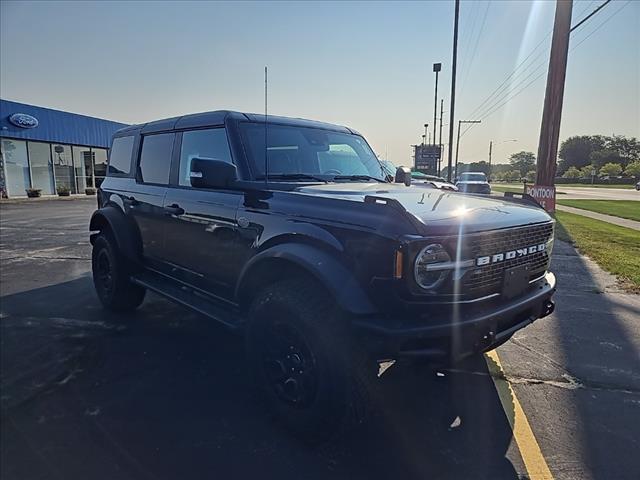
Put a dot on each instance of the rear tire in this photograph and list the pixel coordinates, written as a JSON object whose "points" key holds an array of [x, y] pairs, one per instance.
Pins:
{"points": [[315, 379], [111, 276]]}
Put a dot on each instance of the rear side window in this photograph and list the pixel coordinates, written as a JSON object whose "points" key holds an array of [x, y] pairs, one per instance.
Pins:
{"points": [[211, 143], [155, 158], [120, 156]]}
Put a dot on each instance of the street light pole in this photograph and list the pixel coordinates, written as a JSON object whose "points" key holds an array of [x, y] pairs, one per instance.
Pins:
{"points": [[440, 139], [491, 149], [436, 68], [426, 127]]}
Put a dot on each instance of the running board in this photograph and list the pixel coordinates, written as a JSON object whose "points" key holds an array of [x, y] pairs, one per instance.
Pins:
{"points": [[189, 297]]}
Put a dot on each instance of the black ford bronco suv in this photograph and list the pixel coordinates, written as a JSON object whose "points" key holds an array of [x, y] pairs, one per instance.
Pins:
{"points": [[291, 232]]}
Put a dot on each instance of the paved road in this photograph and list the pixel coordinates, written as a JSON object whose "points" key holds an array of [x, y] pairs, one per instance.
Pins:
{"points": [[163, 393], [571, 193]]}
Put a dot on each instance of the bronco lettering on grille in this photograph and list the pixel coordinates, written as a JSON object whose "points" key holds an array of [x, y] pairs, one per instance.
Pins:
{"points": [[520, 252]]}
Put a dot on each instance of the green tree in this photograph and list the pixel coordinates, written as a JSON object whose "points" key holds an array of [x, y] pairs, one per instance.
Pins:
{"points": [[633, 169], [627, 148], [523, 162], [585, 172], [601, 157], [572, 172], [512, 176], [611, 169], [530, 176], [576, 151]]}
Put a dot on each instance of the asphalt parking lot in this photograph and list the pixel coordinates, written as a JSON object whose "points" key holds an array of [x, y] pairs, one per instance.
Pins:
{"points": [[163, 393]]}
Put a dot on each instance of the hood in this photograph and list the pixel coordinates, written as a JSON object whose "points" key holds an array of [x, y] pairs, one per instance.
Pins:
{"points": [[439, 212]]}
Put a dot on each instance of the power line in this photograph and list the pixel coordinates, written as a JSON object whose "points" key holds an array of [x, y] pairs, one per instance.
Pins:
{"points": [[494, 107], [598, 27], [475, 46], [500, 88], [589, 16], [498, 92]]}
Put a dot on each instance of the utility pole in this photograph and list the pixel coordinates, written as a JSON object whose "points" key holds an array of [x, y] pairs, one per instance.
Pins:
{"points": [[436, 68], [453, 84], [426, 127], [440, 136], [490, 148], [552, 113], [460, 122]]}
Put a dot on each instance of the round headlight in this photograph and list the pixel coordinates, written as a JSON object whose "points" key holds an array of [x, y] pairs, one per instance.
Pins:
{"points": [[430, 268]]}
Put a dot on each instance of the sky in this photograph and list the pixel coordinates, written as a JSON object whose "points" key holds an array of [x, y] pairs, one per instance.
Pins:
{"points": [[367, 65]]}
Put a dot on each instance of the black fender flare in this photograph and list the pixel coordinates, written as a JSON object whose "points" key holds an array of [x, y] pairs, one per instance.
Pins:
{"points": [[321, 265], [124, 230]]}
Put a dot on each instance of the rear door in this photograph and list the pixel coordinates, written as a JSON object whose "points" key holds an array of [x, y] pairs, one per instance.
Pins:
{"points": [[201, 232], [146, 202]]}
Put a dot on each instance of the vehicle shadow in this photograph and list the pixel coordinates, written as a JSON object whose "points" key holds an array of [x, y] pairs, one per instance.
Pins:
{"points": [[597, 344], [163, 393]]}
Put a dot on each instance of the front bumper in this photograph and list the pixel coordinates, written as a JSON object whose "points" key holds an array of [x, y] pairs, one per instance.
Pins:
{"points": [[457, 330]]}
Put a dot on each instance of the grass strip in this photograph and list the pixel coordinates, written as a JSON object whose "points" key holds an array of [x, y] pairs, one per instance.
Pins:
{"points": [[616, 249]]}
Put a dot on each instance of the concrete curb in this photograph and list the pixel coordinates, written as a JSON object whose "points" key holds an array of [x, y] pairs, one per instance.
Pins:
{"points": [[47, 198]]}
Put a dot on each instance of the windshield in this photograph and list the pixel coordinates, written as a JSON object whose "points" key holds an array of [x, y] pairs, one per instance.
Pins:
{"points": [[309, 152], [473, 177]]}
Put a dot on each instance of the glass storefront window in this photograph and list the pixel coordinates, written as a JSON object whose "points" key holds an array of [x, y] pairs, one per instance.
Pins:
{"points": [[100, 169], [16, 166], [63, 167], [83, 167], [41, 172]]}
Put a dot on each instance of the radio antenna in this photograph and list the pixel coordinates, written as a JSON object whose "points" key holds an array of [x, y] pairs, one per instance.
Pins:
{"points": [[266, 158]]}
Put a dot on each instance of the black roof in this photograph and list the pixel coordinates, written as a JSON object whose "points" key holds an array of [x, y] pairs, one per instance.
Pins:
{"points": [[218, 117]]}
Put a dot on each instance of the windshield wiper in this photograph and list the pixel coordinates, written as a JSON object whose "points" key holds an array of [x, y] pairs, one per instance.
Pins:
{"points": [[358, 177], [292, 176]]}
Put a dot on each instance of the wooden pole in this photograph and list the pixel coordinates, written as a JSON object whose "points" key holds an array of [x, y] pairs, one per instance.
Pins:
{"points": [[552, 113]]}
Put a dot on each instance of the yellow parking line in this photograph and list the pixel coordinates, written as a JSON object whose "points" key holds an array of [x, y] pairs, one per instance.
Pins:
{"points": [[534, 461]]}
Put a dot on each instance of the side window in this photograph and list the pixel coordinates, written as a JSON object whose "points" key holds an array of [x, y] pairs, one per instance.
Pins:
{"points": [[120, 155], [155, 158], [211, 143]]}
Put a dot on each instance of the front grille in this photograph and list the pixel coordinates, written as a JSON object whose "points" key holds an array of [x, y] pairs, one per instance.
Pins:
{"points": [[488, 279]]}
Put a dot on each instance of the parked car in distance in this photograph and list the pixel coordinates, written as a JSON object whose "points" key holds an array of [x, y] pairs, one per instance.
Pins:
{"points": [[638, 186], [422, 179], [473, 182], [304, 247]]}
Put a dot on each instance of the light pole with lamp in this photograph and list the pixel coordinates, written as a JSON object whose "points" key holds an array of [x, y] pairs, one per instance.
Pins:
{"points": [[491, 148]]}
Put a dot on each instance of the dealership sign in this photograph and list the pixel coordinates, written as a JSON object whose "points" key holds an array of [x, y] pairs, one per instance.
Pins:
{"points": [[544, 195], [23, 120]]}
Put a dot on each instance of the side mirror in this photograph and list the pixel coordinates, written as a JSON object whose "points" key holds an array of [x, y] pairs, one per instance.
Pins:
{"points": [[211, 173], [403, 175]]}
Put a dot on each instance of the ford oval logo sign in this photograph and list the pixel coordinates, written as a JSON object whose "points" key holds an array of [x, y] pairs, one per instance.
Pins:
{"points": [[23, 120]]}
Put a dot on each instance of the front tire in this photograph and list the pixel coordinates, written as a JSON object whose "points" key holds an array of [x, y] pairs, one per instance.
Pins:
{"points": [[314, 378], [111, 277]]}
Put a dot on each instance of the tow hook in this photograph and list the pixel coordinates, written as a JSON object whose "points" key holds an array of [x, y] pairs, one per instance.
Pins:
{"points": [[548, 308]]}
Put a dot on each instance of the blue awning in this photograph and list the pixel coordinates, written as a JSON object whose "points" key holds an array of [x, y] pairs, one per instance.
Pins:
{"points": [[55, 125]]}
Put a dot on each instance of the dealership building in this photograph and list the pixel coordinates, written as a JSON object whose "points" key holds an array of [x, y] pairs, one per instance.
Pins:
{"points": [[50, 150]]}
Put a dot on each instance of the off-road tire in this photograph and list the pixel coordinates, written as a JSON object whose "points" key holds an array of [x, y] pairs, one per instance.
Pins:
{"points": [[111, 276], [344, 378]]}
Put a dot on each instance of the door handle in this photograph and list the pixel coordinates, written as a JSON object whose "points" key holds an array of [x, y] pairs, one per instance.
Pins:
{"points": [[173, 209]]}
